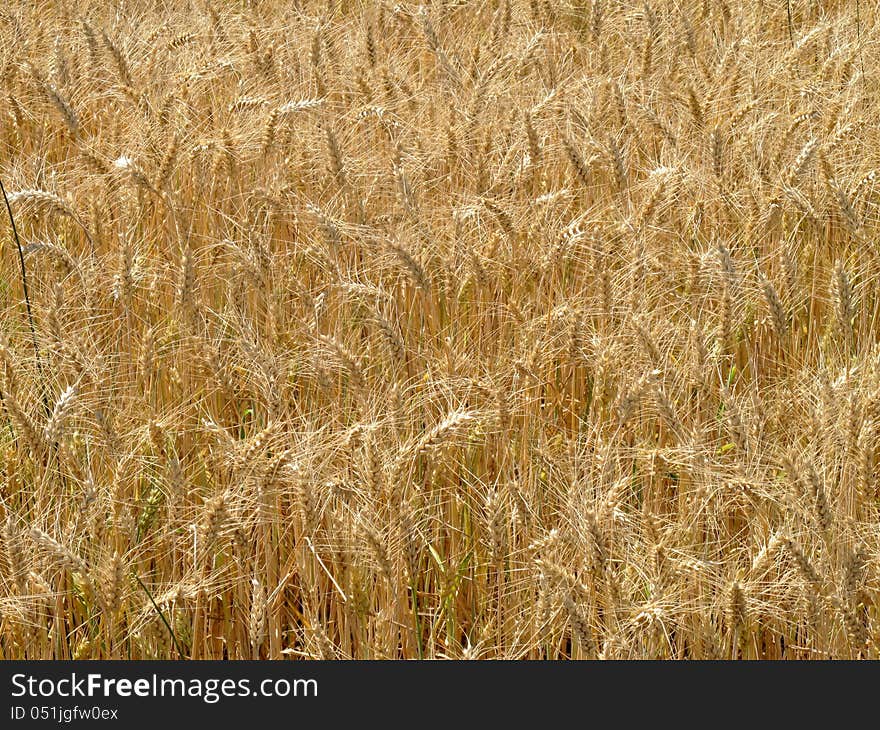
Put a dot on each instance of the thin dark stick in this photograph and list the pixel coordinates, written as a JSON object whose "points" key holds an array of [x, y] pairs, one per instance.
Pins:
{"points": [[24, 284], [859, 36], [161, 616], [790, 29]]}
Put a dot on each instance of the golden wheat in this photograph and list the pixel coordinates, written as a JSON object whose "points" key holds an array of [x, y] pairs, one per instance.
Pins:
{"points": [[383, 330]]}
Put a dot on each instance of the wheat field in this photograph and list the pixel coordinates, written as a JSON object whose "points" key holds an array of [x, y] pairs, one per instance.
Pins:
{"points": [[532, 329]]}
